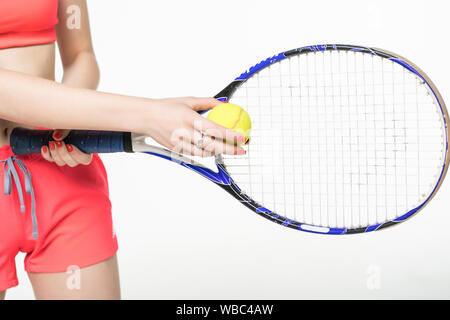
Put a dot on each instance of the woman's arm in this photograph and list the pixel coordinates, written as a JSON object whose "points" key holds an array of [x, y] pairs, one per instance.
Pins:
{"points": [[36, 102], [75, 45]]}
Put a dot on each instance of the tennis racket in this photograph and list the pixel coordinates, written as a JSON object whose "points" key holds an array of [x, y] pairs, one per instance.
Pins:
{"points": [[345, 139]]}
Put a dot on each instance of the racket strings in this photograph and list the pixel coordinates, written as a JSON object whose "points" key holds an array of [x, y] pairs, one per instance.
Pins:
{"points": [[339, 139]]}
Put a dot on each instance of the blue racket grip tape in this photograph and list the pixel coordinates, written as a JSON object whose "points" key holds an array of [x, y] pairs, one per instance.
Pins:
{"points": [[26, 141]]}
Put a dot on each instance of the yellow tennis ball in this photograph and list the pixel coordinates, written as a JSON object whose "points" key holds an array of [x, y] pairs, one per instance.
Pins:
{"points": [[233, 117]]}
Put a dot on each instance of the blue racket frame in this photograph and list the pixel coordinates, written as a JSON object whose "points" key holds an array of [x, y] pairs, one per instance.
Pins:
{"points": [[228, 92]]}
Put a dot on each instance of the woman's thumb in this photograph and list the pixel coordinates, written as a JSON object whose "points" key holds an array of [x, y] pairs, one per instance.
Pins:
{"points": [[59, 134]]}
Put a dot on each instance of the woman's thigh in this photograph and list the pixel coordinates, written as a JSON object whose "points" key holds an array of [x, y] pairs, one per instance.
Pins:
{"points": [[2, 295], [99, 281]]}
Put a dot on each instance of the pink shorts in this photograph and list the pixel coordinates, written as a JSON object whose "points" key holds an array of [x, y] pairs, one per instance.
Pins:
{"points": [[72, 214]]}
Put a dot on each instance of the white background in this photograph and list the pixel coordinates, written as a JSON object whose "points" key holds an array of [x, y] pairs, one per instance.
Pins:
{"points": [[181, 237]]}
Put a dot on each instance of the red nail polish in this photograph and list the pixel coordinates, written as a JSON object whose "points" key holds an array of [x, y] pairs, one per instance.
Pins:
{"points": [[44, 149], [69, 148], [57, 134], [58, 144], [52, 145]]}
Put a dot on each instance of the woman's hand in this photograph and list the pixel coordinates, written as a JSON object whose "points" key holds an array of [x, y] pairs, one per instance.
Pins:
{"points": [[175, 124], [61, 154]]}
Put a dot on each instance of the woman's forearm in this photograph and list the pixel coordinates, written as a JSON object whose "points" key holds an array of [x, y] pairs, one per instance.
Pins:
{"points": [[34, 101]]}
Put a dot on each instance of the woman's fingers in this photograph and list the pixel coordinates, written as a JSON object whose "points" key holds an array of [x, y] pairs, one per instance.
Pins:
{"points": [[207, 136], [51, 154], [198, 144], [58, 150], [212, 129], [186, 147], [46, 153], [202, 141], [221, 147], [59, 135], [62, 154], [79, 156]]}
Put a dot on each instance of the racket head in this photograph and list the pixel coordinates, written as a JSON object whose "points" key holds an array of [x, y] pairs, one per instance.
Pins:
{"points": [[240, 186]]}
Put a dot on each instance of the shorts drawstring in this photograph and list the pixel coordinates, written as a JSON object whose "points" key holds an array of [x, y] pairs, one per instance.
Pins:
{"points": [[9, 169]]}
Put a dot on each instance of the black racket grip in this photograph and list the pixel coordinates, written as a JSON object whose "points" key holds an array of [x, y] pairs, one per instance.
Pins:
{"points": [[26, 141]]}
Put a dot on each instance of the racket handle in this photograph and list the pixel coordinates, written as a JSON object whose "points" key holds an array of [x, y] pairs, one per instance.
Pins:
{"points": [[26, 141]]}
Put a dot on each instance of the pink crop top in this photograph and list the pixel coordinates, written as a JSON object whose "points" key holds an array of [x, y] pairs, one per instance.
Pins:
{"points": [[27, 22]]}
